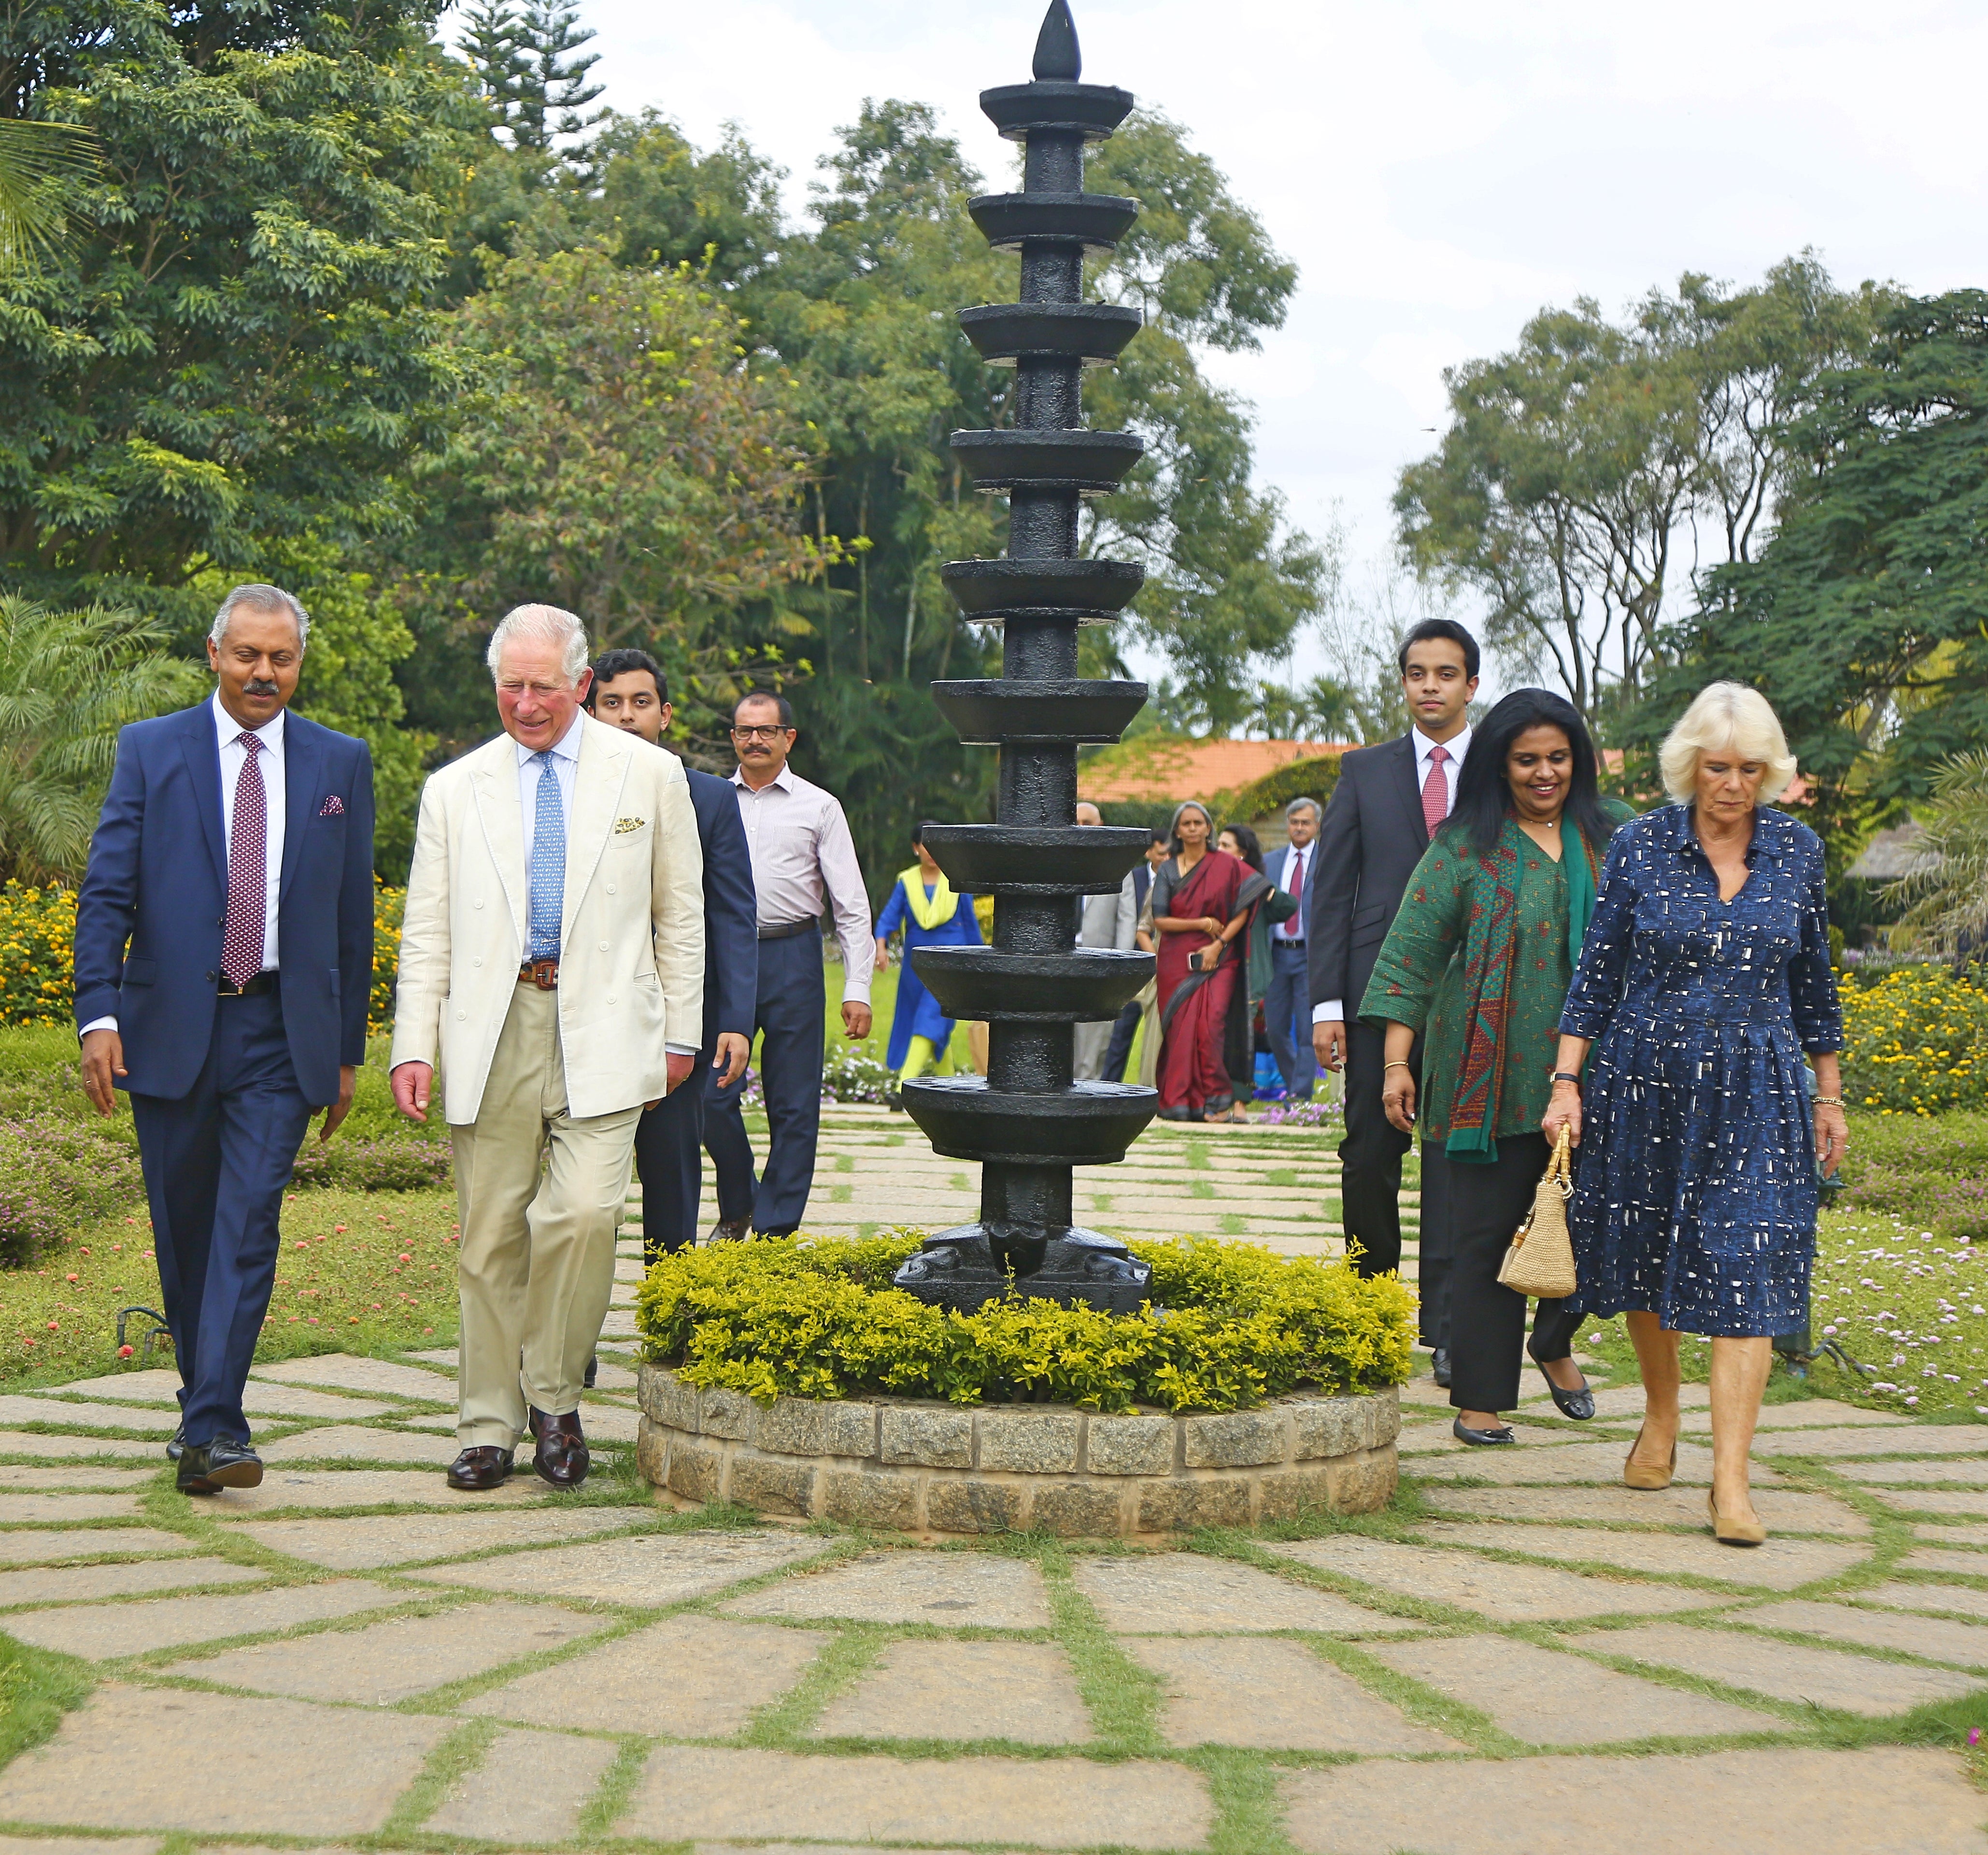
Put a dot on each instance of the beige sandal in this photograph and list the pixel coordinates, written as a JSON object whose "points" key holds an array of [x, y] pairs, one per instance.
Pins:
{"points": [[1636, 1474]]}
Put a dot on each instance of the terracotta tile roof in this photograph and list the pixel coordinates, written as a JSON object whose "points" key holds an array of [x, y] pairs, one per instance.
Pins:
{"points": [[1155, 768]]}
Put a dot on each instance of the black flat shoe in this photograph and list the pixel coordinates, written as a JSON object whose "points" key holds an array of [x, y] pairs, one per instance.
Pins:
{"points": [[1483, 1438], [1439, 1367], [224, 1463], [1578, 1405]]}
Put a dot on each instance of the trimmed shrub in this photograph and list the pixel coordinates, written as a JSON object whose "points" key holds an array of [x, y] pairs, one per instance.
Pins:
{"points": [[58, 1174], [1312, 779], [37, 955], [1915, 1042], [1230, 1325]]}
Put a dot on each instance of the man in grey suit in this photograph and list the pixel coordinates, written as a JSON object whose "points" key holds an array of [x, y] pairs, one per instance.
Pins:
{"points": [[1385, 808], [1288, 1002], [1103, 921]]}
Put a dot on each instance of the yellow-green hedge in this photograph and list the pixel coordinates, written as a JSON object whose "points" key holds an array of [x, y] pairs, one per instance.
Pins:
{"points": [[819, 1319], [37, 954], [1916, 1042]]}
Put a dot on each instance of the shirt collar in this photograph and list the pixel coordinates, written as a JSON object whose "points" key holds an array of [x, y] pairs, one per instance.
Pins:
{"points": [[228, 730], [566, 746], [1456, 747], [784, 779]]}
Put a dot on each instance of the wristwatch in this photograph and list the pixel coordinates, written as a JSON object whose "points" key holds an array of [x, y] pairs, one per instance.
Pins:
{"points": [[1566, 1075]]}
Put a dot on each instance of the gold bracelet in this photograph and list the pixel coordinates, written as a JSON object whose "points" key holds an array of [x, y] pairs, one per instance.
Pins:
{"points": [[1397, 1063], [1828, 1100]]}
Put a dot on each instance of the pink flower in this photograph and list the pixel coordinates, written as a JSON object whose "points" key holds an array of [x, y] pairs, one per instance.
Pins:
{"points": [[124, 1352]]}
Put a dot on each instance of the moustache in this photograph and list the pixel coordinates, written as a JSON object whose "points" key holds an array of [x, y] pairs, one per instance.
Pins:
{"points": [[258, 686]]}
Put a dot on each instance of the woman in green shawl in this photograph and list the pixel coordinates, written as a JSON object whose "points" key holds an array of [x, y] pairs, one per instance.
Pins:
{"points": [[1478, 963]]}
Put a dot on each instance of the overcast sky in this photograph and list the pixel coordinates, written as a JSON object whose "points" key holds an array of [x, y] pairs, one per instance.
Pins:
{"points": [[1439, 171]]}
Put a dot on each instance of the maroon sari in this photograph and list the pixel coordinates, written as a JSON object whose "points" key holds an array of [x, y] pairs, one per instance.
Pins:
{"points": [[1194, 1005]]}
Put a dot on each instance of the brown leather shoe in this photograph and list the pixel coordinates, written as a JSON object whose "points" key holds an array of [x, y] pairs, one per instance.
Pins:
{"points": [[561, 1457], [480, 1467]]}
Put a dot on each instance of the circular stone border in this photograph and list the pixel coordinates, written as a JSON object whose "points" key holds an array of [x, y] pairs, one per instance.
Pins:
{"points": [[921, 1466]]}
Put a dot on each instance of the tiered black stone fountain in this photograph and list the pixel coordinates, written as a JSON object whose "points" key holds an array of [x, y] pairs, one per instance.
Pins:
{"points": [[1028, 1121]]}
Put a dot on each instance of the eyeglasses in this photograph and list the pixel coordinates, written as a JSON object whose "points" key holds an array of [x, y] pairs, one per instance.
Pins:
{"points": [[772, 733]]}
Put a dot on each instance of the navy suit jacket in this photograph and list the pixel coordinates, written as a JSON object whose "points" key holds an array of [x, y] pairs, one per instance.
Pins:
{"points": [[731, 910], [1278, 861], [150, 914], [1372, 838]]}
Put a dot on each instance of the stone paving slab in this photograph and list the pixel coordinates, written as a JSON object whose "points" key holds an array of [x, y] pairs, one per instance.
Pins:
{"points": [[58, 1510], [79, 1845], [950, 1589], [699, 1791], [1230, 1690], [385, 1663], [1769, 1801], [1185, 1593], [31, 1548], [284, 1488], [1623, 1403], [1506, 1594], [1811, 1414], [1931, 1439], [650, 1570], [940, 1690], [365, 1544], [1820, 1677], [1548, 1699], [1971, 1565], [79, 1584], [446, 1356], [38, 1408], [105, 1631], [609, 1423], [45, 1448], [155, 1385], [1937, 1639], [1966, 1600], [24, 1476], [357, 1442], [1780, 1564], [1926, 1501], [1879, 1474], [345, 1372], [530, 1787], [293, 1769], [1671, 1506], [1549, 1465], [687, 1677]]}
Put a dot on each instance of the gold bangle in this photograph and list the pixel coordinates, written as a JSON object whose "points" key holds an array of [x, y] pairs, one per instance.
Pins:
{"points": [[1397, 1063], [1828, 1100]]}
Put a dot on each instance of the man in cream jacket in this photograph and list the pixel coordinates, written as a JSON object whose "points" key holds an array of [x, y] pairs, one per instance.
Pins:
{"points": [[552, 963]]}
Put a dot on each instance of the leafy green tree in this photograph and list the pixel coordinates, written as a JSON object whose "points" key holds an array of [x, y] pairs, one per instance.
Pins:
{"points": [[69, 681], [1864, 619], [235, 346]]}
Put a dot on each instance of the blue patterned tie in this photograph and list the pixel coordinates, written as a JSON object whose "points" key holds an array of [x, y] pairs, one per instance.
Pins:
{"points": [[547, 864]]}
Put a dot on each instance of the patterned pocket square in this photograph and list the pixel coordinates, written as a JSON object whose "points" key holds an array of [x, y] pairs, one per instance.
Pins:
{"points": [[623, 826], [333, 807]]}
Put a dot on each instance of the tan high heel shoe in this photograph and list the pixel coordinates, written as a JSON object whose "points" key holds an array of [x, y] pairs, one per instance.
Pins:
{"points": [[1728, 1531], [1635, 1474]]}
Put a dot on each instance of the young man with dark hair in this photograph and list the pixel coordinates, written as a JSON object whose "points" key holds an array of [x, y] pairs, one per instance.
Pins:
{"points": [[629, 692], [1386, 807]]}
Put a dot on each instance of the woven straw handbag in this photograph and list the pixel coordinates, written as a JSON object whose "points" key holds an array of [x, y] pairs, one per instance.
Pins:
{"points": [[1540, 1260]]}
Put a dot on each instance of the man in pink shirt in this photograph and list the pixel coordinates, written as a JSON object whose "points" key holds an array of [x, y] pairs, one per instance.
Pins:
{"points": [[803, 864]]}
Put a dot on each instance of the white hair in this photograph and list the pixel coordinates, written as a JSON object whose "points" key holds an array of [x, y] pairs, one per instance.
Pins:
{"points": [[543, 624], [1726, 718], [265, 598], [1317, 810]]}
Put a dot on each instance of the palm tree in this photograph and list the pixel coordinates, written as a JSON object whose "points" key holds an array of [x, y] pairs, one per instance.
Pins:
{"points": [[1948, 884], [69, 681], [38, 162]]}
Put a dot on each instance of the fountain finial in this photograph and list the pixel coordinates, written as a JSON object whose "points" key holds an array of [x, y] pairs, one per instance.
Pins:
{"points": [[1057, 58]]}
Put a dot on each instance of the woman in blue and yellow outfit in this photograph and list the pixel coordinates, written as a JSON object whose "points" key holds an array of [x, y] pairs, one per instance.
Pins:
{"points": [[930, 914]]}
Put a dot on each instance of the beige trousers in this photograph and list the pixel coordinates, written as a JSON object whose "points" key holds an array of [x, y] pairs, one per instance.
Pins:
{"points": [[536, 1269]]}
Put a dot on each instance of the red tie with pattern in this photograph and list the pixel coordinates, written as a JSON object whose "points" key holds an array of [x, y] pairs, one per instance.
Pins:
{"points": [[1435, 791], [247, 871]]}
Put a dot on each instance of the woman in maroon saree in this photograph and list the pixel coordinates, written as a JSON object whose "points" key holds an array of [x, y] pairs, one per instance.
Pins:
{"points": [[1201, 899]]}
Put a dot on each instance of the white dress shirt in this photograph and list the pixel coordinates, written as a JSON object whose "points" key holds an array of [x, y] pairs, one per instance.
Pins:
{"points": [[1333, 1010], [233, 757], [803, 855], [566, 769]]}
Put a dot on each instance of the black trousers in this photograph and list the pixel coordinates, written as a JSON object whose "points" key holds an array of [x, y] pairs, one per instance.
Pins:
{"points": [[1487, 1320], [1120, 1049], [669, 1161], [1370, 1183], [1435, 1248], [792, 1011]]}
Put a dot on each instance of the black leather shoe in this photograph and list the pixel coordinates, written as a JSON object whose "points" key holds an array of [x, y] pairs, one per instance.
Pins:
{"points": [[177, 1448], [1439, 1367], [481, 1466], [592, 1370], [1485, 1438], [729, 1230], [1578, 1405], [561, 1457], [224, 1463]]}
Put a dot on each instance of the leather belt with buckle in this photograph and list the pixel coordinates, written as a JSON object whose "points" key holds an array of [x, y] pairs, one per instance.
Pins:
{"points": [[543, 973], [788, 929], [254, 987]]}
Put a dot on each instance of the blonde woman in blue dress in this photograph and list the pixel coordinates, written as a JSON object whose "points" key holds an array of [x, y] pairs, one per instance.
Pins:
{"points": [[929, 912]]}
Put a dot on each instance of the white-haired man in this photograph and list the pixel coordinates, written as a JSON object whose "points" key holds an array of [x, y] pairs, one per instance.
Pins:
{"points": [[552, 960]]}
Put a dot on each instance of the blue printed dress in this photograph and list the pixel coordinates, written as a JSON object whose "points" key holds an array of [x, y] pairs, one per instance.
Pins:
{"points": [[917, 1012], [1695, 1197]]}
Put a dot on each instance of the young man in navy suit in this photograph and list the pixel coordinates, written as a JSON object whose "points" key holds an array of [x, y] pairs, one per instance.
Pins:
{"points": [[1287, 1004], [224, 962], [629, 692]]}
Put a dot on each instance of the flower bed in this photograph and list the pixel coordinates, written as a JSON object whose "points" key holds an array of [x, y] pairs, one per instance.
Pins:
{"points": [[1916, 1042], [1234, 1326]]}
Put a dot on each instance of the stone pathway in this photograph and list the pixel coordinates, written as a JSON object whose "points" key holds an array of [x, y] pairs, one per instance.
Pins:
{"points": [[1522, 1657]]}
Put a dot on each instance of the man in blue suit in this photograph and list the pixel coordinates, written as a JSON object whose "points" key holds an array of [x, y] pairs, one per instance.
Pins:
{"points": [[630, 692], [1287, 1004], [224, 960]]}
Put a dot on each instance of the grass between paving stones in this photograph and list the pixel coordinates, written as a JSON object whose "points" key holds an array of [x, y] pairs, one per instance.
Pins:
{"points": [[1122, 1694], [37, 1687], [456, 1757]]}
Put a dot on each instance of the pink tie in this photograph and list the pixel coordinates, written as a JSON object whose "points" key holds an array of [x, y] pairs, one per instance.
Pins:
{"points": [[1435, 791], [1292, 929], [247, 873]]}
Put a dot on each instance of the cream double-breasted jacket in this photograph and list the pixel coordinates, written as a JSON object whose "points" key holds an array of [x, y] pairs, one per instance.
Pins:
{"points": [[631, 939]]}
